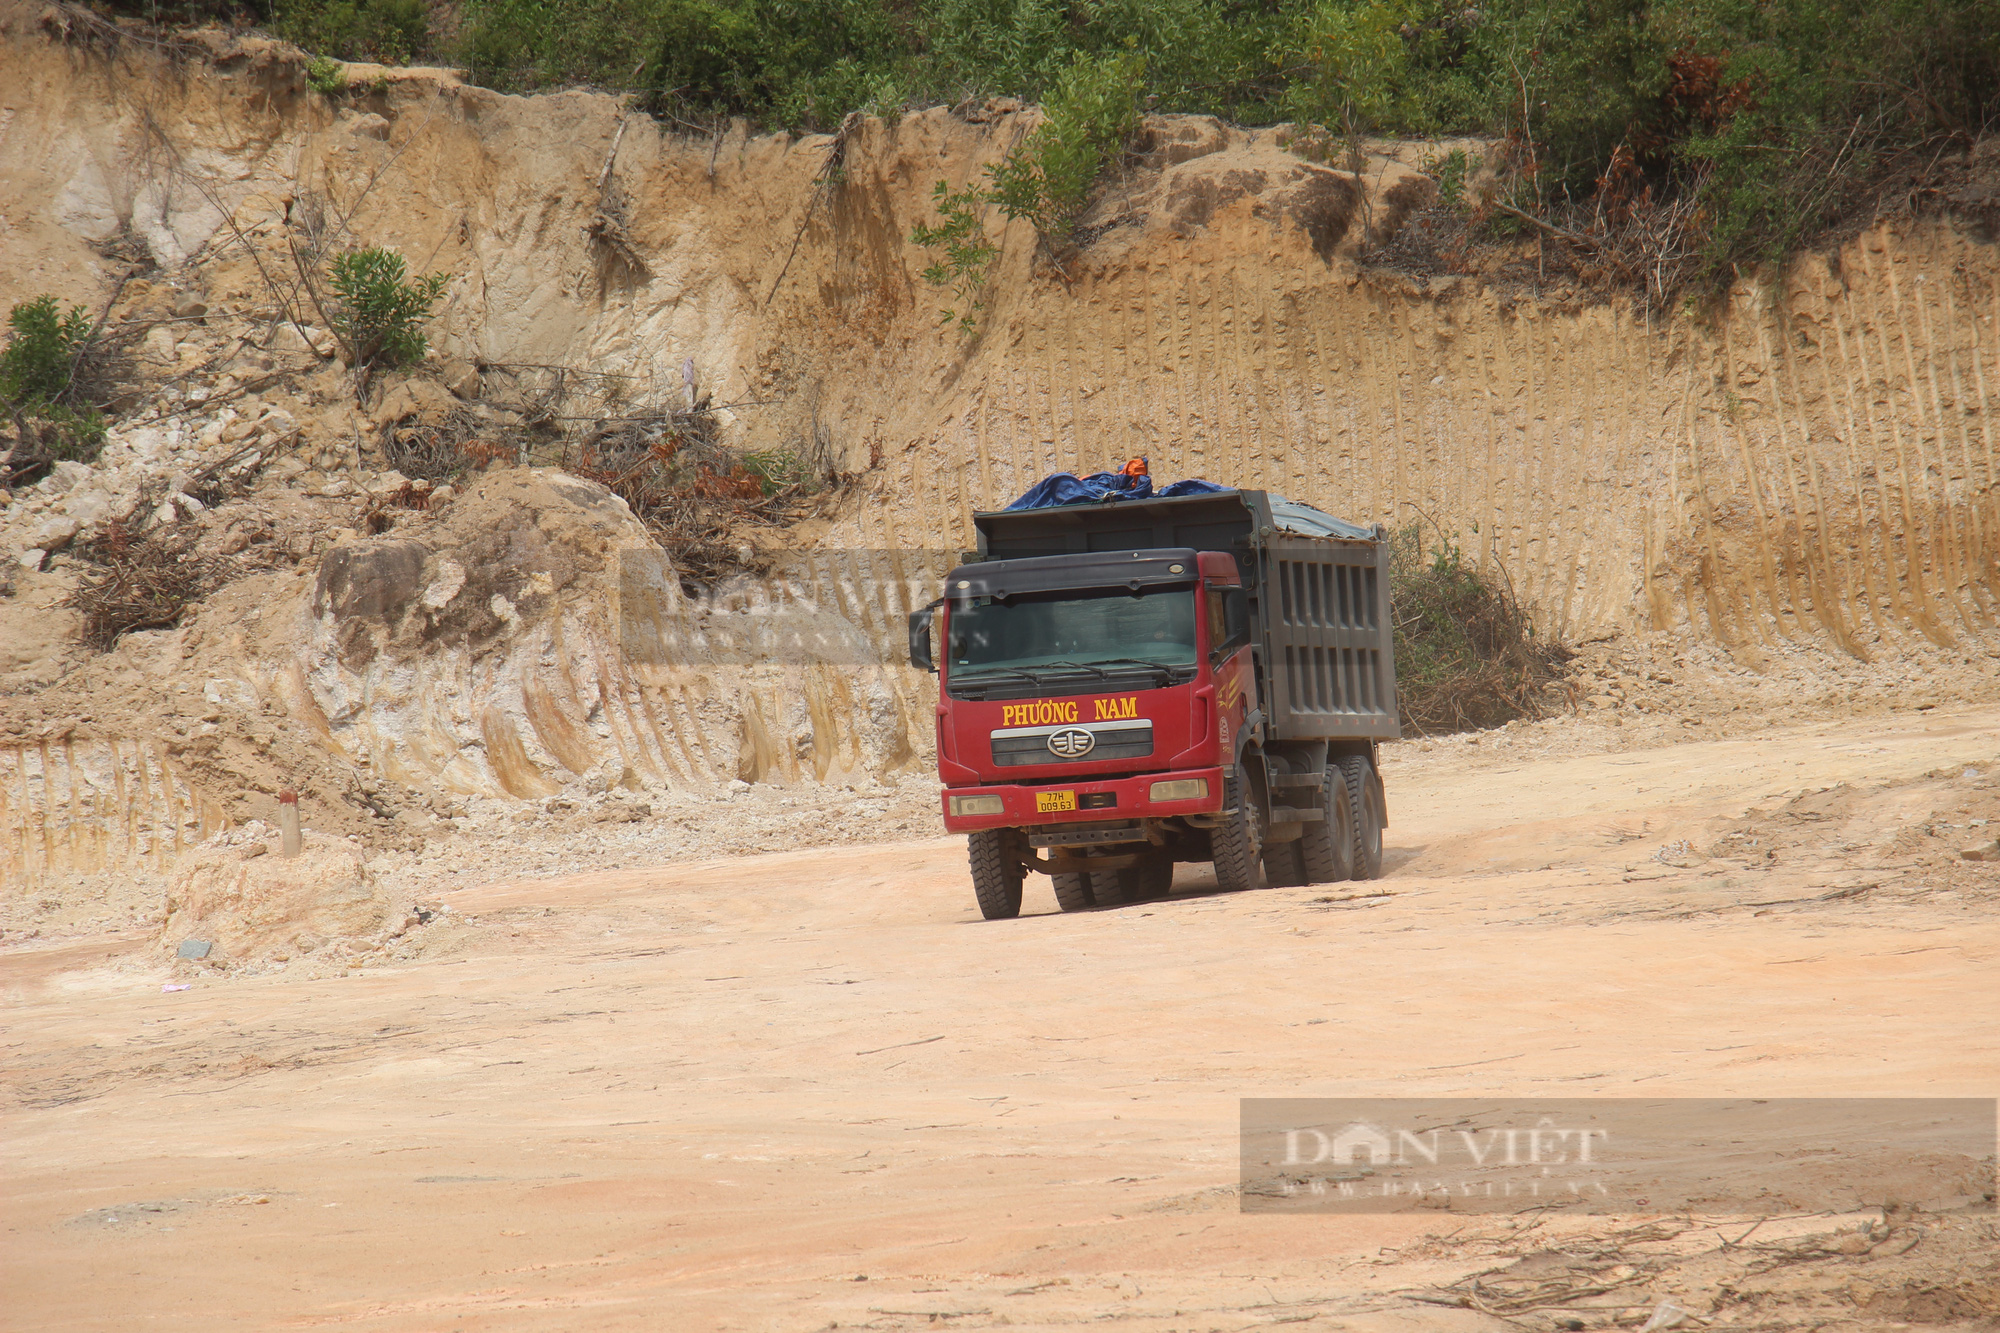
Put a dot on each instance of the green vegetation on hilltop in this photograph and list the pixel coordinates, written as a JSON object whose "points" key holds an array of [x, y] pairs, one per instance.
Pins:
{"points": [[1755, 123]]}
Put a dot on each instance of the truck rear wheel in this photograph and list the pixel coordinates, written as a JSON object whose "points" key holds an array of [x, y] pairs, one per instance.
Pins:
{"points": [[1108, 888], [1074, 893], [1236, 843], [1283, 868], [1326, 848], [1364, 801], [997, 872]]}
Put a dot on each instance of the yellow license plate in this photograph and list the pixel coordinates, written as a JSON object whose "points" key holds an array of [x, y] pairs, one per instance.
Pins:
{"points": [[1054, 802]]}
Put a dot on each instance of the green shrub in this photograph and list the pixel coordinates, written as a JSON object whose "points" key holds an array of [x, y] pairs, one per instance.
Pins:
{"points": [[326, 75], [1350, 63], [1772, 119], [1088, 116], [797, 62], [43, 348], [1216, 57], [1450, 171], [48, 355], [963, 253], [778, 470], [389, 31], [59, 433], [378, 314], [1012, 46]]}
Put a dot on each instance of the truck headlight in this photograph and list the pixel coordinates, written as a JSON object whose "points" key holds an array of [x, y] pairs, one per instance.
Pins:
{"points": [[988, 805], [1183, 789]]}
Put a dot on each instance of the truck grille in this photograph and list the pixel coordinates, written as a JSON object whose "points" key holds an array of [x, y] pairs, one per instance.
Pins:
{"points": [[1017, 746]]}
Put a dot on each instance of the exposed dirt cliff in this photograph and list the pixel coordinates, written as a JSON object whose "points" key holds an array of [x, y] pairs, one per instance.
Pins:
{"points": [[1802, 486]]}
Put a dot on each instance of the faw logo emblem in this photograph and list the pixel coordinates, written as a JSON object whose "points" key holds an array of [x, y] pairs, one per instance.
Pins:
{"points": [[1109, 709], [1071, 743]]}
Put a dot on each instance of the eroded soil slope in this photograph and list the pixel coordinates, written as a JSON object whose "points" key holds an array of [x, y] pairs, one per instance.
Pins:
{"points": [[1801, 483]]}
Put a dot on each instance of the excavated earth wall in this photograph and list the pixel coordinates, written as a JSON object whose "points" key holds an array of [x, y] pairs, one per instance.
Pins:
{"points": [[1813, 467]]}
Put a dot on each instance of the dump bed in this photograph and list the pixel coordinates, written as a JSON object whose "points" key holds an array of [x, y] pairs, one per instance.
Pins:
{"points": [[1319, 594]]}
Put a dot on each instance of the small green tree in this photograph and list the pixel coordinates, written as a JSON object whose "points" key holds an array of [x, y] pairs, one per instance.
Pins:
{"points": [[1088, 118], [326, 75], [1451, 171], [38, 376], [42, 349], [378, 313], [963, 254], [1352, 60], [1090, 113]]}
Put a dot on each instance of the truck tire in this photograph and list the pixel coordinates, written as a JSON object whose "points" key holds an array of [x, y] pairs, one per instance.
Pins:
{"points": [[1326, 848], [997, 872], [1236, 843], [1282, 867], [1149, 881], [1107, 888], [1364, 800], [1074, 892]]}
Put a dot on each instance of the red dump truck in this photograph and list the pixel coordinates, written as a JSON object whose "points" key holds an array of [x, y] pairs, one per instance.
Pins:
{"points": [[1128, 685]]}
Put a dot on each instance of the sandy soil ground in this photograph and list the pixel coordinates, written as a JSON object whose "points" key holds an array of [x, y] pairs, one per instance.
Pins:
{"points": [[808, 1090]]}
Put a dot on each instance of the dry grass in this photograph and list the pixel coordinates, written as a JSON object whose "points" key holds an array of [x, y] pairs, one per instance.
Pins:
{"points": [[656, 446], [148, 582], [697, 497], [1467, 655], [442, 451]]}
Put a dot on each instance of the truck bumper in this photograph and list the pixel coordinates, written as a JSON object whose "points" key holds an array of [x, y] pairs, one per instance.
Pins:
{"points": [[1029, 804]]}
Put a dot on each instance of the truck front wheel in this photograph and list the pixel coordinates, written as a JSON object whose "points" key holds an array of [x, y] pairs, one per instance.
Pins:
{"points": [[1236, 843], [997, 872]]}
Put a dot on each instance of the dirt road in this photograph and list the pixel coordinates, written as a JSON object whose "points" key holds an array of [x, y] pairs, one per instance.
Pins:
{"points": [[803, 1090]]}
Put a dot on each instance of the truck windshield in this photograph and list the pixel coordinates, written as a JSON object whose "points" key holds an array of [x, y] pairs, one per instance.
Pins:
{"points": [[1064, 630]]}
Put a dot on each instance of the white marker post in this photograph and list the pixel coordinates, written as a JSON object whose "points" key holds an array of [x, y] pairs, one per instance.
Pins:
{"points": [[288, 822]]}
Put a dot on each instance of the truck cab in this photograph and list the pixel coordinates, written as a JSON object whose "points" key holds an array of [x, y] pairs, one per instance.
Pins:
{"points": [[1101, 712]]}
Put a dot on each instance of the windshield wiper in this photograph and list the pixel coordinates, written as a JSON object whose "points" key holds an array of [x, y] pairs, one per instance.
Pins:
{"points": [[1099, 672], [1140, 661], [981, 672]]}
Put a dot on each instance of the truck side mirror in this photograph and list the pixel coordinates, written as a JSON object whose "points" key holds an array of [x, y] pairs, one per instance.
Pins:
{"points": [[920, 640]]}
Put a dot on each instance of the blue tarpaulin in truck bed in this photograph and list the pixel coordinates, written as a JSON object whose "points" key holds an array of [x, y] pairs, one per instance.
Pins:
{"points": [[1061, 488], [1133, 483]]}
